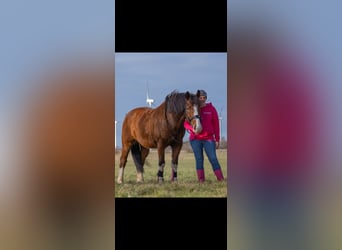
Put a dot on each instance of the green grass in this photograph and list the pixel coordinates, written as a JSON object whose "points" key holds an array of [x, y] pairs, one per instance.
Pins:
{"points": [[186, 186]]}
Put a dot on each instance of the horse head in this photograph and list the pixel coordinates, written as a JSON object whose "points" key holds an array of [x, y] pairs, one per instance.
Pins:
{"points": [[192, 111]]}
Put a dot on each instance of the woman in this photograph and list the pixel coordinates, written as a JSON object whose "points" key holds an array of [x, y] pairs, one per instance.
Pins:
{"points": [[208, 139]]}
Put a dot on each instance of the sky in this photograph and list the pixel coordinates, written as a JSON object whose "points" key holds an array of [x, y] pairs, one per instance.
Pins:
{"points": [[35, 33], [161, 73]]}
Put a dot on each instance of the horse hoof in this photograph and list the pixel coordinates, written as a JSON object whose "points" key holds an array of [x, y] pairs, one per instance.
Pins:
{"points": [[140, 177]]}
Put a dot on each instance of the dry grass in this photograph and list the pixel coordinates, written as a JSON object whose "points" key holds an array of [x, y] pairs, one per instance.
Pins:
{"points": [[187, 185]]}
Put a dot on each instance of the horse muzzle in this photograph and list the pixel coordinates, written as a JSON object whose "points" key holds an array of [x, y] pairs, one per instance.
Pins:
{"points": [[197, 126]]}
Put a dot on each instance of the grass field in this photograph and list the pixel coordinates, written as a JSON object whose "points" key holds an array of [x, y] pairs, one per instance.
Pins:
{"points": [[186, 186]]}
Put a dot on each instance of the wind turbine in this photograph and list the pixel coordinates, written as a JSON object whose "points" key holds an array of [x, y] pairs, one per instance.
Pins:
{"points": [[149, 101], [115, 132], [220, 118]]}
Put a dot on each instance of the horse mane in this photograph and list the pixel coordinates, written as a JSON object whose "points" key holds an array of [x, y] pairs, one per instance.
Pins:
{"points": [[174, 102]]}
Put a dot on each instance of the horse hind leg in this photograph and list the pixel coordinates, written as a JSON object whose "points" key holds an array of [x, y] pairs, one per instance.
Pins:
{"points": [[137, 155], [144, 154], [123, 161]]}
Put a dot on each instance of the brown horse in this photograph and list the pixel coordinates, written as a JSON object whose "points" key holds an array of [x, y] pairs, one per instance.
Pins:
{"points": [[144, 128]]}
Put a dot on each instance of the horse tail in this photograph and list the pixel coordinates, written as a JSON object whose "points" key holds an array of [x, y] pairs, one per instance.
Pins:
{"points": [[136, 154]]}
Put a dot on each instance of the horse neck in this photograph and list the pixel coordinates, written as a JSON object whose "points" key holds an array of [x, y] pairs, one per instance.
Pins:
{"points": [[175, 120]]}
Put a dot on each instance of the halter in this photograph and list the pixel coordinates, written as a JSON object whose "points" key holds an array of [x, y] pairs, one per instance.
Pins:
{"points": [[194, 117]]}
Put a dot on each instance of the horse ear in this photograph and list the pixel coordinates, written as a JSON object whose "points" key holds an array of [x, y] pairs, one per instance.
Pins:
{"points": [[187, 95], [198, 93]]}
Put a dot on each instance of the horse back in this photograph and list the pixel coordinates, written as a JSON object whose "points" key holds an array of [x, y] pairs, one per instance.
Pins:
{"points": [[145, 125]]}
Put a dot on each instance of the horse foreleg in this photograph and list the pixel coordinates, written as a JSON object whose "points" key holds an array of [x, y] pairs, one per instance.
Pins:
{"points": [[161, 155], [174, 162]]}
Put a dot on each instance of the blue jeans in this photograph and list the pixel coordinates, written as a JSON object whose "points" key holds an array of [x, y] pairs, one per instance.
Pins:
{"points": [[210, 150]]}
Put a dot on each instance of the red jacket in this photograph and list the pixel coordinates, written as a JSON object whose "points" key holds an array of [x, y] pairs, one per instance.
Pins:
{"points": [[210, 125]]}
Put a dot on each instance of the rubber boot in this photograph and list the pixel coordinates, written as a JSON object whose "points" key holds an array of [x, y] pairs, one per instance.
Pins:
{"points": [[200, 175], [219, 175]]}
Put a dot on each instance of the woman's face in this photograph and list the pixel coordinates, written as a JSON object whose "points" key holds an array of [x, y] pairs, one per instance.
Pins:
{"points": [[202, 100]]}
